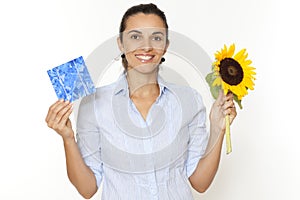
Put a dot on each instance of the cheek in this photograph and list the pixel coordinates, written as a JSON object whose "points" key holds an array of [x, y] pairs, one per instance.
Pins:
{"points": [[159, 55], [131, 59]]}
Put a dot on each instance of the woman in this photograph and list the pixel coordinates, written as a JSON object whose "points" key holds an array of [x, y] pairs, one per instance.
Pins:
{"points": [[142, 137]]}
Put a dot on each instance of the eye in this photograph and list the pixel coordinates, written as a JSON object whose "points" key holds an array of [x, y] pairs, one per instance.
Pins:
{"points": [[135, 37], [157, 38]]}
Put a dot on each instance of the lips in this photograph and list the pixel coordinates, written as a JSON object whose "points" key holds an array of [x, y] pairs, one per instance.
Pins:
{"points": [[144, 57]]}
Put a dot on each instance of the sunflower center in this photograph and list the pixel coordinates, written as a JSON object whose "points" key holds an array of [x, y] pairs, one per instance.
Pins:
{"points": [[231, 71]]}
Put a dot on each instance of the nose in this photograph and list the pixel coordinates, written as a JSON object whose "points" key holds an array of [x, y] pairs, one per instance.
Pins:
{"points": [[147, 46]]}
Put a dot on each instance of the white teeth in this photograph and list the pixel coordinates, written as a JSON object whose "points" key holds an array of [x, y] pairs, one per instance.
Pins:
{"points": [[144, 57]]}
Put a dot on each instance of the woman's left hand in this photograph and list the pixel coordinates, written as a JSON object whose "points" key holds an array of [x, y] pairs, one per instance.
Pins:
{"points": [[223, 106]]}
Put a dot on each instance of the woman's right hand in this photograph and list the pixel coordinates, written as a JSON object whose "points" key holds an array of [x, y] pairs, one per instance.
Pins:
{"points": [[58, 118]]}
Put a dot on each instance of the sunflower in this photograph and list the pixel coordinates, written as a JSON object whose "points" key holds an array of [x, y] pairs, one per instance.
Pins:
{"points": [[233, 72]]}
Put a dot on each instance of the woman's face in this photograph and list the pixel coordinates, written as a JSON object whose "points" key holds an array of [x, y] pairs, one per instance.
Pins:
{"points": [[144, 41]]}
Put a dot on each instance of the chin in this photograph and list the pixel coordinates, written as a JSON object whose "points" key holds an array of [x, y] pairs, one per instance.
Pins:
{"points": [[148, 68]]}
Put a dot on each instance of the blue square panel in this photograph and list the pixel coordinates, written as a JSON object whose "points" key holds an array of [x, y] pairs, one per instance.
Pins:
{"points": [[71, 80]]}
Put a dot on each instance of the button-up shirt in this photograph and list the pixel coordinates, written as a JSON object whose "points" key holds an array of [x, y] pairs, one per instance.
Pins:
{"points": [[139, 158]]}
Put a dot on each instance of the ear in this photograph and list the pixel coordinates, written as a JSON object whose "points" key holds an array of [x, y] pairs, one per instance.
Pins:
{"points": [[120, 44]]}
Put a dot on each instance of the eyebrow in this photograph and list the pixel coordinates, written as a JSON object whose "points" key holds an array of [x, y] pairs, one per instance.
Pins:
{"points": [[140, 32], [158, 32], [135, 31]]}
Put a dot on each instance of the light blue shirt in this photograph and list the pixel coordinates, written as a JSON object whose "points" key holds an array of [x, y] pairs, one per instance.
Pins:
{"points": [[142, 159]]}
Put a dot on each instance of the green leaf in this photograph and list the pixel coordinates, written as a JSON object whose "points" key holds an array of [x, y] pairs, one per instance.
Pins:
{"points": [[213, 89], [210, 78], [239, 102]]}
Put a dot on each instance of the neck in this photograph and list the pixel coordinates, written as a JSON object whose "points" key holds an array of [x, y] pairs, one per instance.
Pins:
{"points": [[142, 84]]}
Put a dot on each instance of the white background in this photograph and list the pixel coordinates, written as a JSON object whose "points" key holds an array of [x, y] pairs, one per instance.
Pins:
{"points": [[38, 35]]}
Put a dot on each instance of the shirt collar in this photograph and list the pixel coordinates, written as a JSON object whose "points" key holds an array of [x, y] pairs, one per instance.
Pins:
{"points": [[122, 85]]}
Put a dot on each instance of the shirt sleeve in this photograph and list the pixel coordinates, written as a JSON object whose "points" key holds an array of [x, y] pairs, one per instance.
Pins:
{"points": [[88, 137], [198, 135]]}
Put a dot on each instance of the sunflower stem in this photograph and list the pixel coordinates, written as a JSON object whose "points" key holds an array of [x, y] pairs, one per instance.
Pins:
{"points": [[227, 133]]}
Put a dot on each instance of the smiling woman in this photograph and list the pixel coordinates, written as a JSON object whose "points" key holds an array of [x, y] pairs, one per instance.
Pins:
{"points": [[142, 137]]}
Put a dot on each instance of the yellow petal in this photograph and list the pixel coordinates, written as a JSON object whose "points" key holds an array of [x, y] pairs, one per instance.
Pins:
{"points": [[217, 81], [236, 90], [243, 57], [225, 90], [224, 51], [247, 62], [244, 90], [231, 51], [216, 64], [239, 54], [218, 55], [249, 83]]}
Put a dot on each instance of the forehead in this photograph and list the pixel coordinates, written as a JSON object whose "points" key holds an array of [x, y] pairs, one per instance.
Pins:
{"points": [[141, 20]]}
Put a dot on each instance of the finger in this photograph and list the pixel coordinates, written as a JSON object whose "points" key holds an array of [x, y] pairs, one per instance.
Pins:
{"points": [[60, 110], [51, 108], [55, 109], [229, 96], [231, 111], [65, 121], [54, 112], [228, 104], [65, 113], [232, 114]]}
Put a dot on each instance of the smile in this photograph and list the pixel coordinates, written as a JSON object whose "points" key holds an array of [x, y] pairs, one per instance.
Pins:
{"points": [[144, 58]]}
